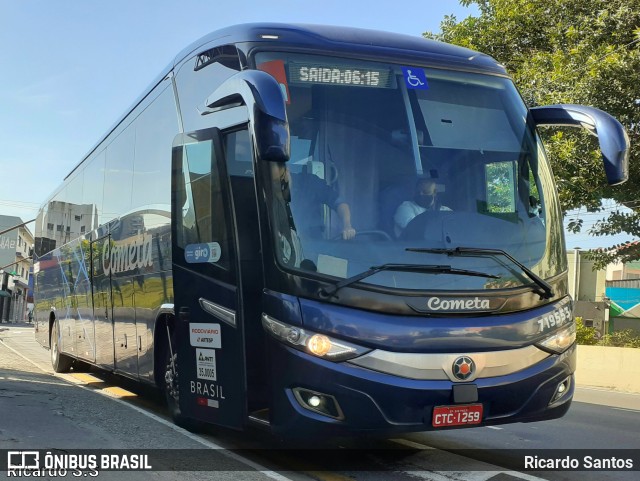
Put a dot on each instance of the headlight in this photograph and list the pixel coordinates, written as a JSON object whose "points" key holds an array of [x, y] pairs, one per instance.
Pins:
{"points": [[310, 342], [560, 341]]}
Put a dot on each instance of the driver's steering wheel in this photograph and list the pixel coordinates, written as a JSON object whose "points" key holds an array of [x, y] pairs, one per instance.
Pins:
{"points": [[379, 233], [416, 229]]}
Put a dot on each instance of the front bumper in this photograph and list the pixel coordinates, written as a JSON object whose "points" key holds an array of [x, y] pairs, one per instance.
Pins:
{"points": [[376, 403]]}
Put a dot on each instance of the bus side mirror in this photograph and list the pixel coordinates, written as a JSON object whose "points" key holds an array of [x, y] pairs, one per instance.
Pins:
{"points": [[262, 95], [613, 139]]}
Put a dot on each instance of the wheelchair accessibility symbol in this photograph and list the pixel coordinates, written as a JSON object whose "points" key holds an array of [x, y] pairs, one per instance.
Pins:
{"points": [[415, 78]]}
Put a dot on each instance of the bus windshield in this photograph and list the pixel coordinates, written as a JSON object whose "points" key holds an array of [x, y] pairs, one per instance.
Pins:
{"points": [[392, 162]]}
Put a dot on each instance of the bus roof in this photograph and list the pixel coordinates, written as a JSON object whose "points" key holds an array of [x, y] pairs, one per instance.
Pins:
{"points": [[356, 40]]}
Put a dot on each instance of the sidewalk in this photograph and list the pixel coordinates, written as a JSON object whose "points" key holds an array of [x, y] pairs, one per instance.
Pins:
{"points": [[20, 336]]}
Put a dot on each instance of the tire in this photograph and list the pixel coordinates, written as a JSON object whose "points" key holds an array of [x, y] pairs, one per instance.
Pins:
{"points": [[171, 390], [171, 387], [59, 361]]}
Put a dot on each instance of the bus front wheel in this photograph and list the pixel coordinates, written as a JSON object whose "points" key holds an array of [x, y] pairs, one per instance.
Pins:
{"points": [[172, 392], [59, 361], [171, 388]]}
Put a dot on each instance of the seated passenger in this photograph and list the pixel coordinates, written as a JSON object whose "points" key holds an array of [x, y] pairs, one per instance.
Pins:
{"points": [[424, 199]]}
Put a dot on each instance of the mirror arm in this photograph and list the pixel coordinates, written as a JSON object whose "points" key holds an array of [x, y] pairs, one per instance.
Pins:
{"points": [[267, 113]]}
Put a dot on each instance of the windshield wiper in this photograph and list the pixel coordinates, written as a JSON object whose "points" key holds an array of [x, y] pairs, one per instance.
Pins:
{"points": [[473, 251], [430, 269]]}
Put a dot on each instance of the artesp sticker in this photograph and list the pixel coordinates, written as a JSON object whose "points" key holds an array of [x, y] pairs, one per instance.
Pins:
{"points": [[205, 335]]}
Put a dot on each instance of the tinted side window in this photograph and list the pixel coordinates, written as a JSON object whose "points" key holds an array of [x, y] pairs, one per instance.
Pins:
{"points": [[238, 153], [76, 211], [155, 129], [197, 78], [119, 175], [93, 192]]}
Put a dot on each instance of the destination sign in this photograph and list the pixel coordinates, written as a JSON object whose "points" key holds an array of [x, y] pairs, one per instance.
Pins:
{"points": [[307, 73]]}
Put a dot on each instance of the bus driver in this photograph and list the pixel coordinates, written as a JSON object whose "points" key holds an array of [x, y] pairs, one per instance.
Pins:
{"points": [[309, 194], [425, 198]]}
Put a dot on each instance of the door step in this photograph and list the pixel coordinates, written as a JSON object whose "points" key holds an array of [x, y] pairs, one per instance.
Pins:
{"points": [[260, 418]]}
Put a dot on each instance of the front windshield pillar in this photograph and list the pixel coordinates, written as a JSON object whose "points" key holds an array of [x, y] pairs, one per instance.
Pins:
{"points": [[415, 138]]}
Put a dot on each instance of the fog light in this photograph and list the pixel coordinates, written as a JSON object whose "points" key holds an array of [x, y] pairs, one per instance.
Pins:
{"points": [[324, 404], [561, 390]]}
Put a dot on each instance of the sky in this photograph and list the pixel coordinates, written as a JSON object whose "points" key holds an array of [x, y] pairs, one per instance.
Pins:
{"points": [[70, 68]]}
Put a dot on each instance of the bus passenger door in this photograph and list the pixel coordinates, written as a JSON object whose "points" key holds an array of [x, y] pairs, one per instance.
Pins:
{"points": [[102, 304], [209, 333]]}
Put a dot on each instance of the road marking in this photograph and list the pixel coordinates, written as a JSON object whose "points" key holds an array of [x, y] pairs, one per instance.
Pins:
{"points": [[198, 439], [328, 476], [456, 475], [468, 475], [411, 444], [86, 378], [524, 476], [433, 476], [184, 432], [117, 392], [480, 475], [494, 427]]}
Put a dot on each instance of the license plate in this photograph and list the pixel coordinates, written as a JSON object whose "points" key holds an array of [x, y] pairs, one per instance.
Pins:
{"points": [[463, 415]]}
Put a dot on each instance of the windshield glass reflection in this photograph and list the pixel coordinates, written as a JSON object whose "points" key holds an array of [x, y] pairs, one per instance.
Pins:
{"points": [[387, 157]]}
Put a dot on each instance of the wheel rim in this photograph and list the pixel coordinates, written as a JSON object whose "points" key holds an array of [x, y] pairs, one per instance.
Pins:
{"points": [[54, 344], [171, 379]]}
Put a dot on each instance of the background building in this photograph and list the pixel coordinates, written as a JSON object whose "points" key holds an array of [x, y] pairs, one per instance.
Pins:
{"points": [[587, 287], [623, 290], [15, 264], [606, 299], [60, 222]]}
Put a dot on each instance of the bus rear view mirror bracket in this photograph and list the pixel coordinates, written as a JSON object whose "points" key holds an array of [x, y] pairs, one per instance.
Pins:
{"points": [[612, 137], [261, 93]]}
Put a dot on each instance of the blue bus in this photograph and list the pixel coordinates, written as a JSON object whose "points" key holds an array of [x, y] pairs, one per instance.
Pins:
{"points": [[324, 230]]}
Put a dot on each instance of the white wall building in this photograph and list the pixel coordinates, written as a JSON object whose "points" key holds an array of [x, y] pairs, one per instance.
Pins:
{"points": [[15, 262]]}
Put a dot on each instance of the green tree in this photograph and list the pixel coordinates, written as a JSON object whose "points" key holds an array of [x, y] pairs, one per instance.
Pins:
{"points": [[571, 51], [585, 335], [626, 338]]}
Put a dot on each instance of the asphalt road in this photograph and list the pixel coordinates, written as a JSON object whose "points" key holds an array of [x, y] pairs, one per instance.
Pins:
{"points": [[40, 410]]}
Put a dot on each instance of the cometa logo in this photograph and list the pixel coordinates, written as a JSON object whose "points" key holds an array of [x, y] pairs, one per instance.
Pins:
{"points": [[127, 255], [475, 304]]}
